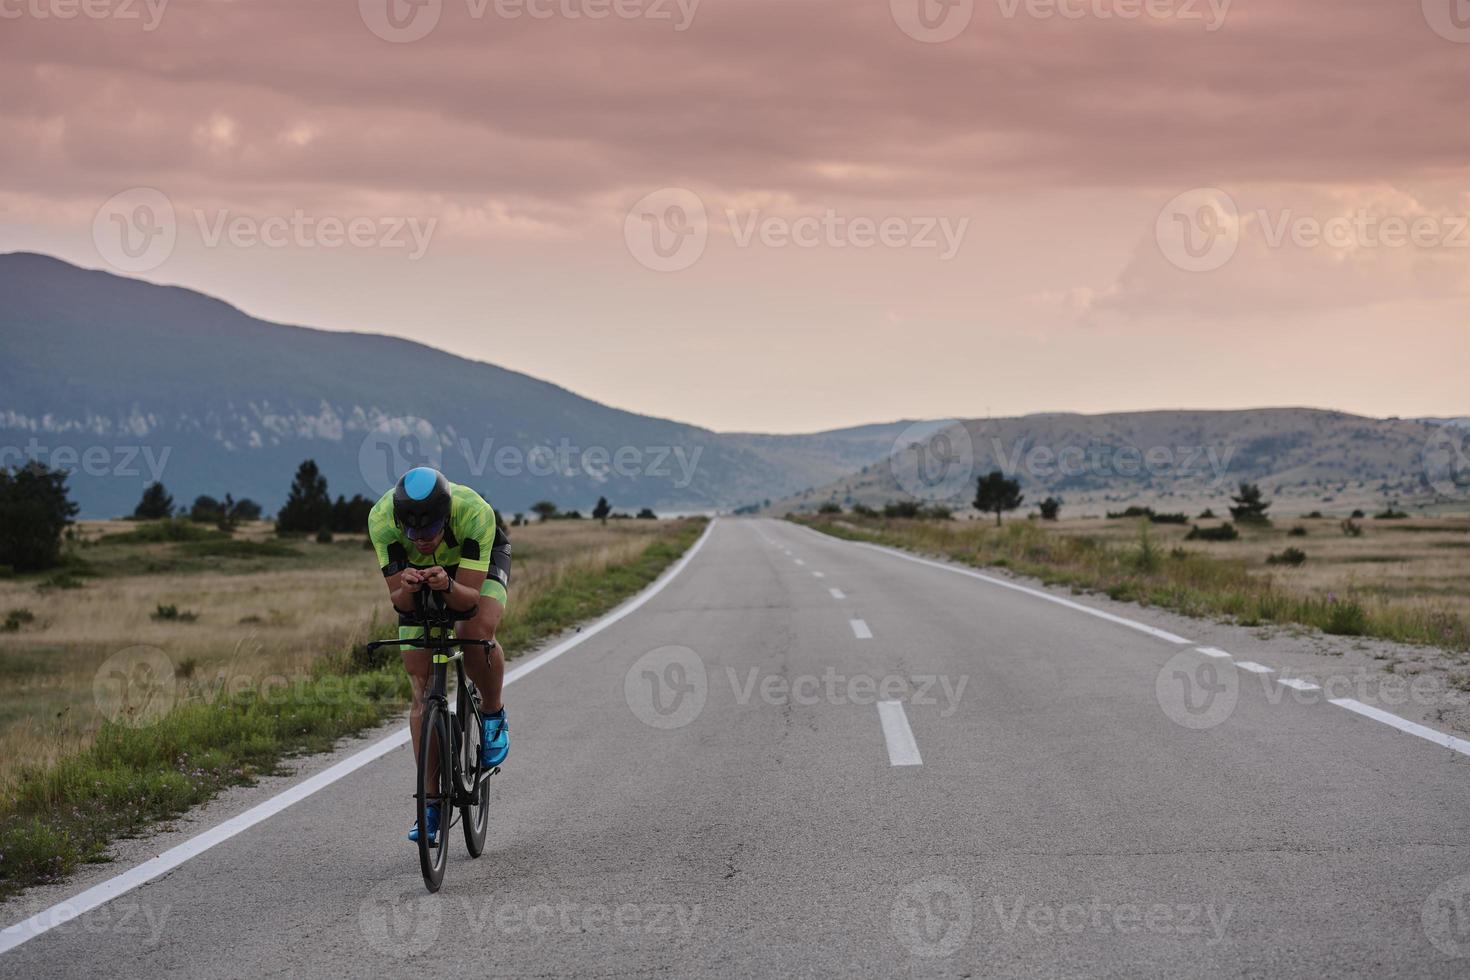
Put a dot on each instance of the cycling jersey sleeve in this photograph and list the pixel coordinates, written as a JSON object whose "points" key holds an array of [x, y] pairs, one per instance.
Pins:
{"points": [[474, 526]]}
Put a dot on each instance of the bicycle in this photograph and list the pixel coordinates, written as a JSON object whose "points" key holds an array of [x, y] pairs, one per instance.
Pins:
{"points": [[463, 784]]}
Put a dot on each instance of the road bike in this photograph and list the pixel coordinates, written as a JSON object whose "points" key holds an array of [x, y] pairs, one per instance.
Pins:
{"points": [[464, 784]]}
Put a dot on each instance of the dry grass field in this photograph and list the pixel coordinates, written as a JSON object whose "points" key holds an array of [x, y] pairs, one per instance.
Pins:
{"points": [[244, 619]]}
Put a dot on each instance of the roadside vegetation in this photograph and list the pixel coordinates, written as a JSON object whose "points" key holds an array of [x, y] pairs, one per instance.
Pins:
{"points": [[1408, 580], [157, 662]]}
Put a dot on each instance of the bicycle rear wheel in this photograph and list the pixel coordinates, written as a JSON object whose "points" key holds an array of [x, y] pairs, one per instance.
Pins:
{"points": [[475, 816], [434, 747]]}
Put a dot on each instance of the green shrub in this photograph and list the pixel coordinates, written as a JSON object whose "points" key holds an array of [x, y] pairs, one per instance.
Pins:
{"points": [[1225, 532], [171, 613], [1169, 518], [1351, 528], [1389, 514], [830, 507], [17, 618], [1291, 556], [1345, 618], [168, 530], [1297, 532], [903, 508], [324, 536]]}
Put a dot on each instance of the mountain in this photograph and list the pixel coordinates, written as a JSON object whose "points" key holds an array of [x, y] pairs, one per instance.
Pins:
{"points": [[1174, 460], [124, 381]]}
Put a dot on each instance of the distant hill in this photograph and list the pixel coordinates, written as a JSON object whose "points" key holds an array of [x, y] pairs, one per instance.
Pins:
{"points": [[1174, 460], [131, 379]]}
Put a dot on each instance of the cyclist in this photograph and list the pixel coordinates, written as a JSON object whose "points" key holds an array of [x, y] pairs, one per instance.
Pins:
{"points": [[430, 533]]}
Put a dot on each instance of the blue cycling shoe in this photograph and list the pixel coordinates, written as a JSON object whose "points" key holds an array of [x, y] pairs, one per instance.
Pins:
{"points": [[433, 822], [497, 739]]}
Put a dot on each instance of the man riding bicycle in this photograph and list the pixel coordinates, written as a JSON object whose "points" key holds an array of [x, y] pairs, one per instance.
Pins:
{"points": [[430, 533]]}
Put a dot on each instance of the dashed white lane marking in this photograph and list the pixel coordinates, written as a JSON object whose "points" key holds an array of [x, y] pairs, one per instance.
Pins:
{"points": [[1079, 607], [1254, 667], [902, 749], [100, 894], [800, 562], [1297, 684], [818, 575], [1403, 724], [860, 629], [1213, 652], [838, 593]]}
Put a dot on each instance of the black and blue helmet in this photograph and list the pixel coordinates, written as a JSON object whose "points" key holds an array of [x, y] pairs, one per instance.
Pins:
{"points": [[421, 502]]}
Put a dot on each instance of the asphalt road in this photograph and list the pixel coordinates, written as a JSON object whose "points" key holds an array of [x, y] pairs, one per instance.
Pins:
{"points": [[709, 787]]}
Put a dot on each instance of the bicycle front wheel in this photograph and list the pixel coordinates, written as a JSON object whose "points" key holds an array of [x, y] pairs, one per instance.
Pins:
{"points": [[435, 789], [474, 787]]}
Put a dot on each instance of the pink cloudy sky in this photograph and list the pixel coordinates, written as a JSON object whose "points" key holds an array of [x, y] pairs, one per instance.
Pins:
{"points": [[1048, 146]]}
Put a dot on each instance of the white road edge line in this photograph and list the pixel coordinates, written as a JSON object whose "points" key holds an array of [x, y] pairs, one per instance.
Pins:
{"points": [[91, 898], [902, 749], [860, 629], [1254, 667], [1403, 724], [837, 593], [1213, 652], [1131, 624], [818, 575]]}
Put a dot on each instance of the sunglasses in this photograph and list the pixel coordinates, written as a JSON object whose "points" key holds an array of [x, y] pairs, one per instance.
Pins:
{"points": [[425, 533]]}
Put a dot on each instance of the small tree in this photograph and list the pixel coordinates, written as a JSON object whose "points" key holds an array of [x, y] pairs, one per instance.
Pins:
{"points": [[307, 507], [1250, 506], [647, 514], [1051, 508], [544, 509], [34, 511], [206, 510], [602, 509], [155, 505], [995, 494], [246, 510]]}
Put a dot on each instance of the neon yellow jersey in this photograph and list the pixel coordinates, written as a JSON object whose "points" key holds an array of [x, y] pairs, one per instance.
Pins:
{"points": [[466, 544]]}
